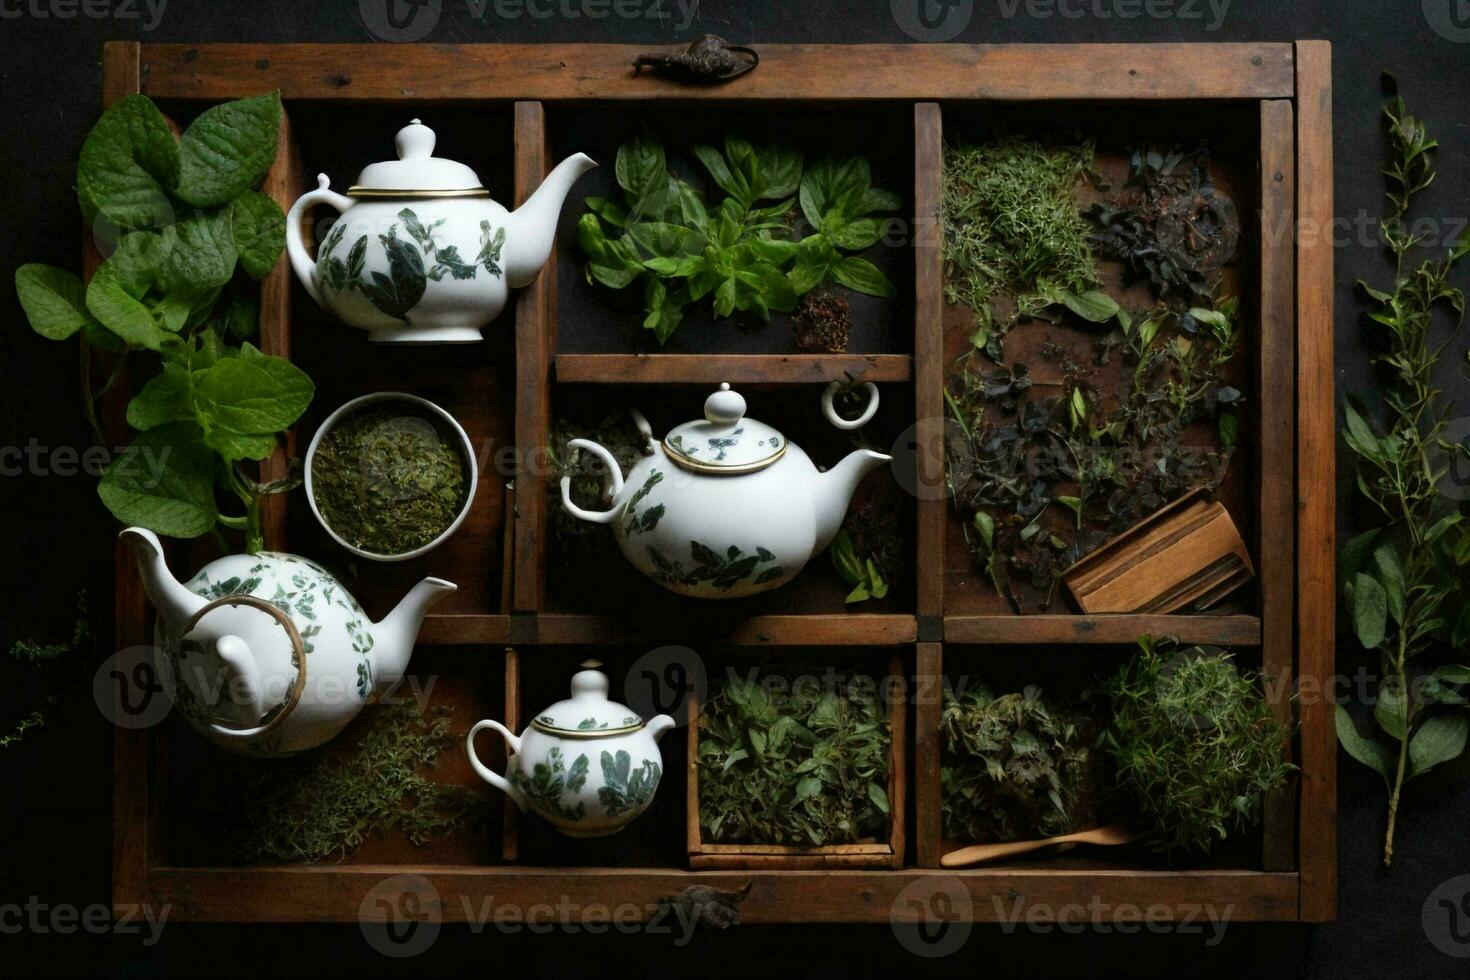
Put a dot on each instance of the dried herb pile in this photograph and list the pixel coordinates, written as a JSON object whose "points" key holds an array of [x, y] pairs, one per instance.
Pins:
{"points": [[324, 804], [1014, 240], [1405, 581], [64, 668], [390, 477], [1013, 767], [1195, 745], [804, 763]]}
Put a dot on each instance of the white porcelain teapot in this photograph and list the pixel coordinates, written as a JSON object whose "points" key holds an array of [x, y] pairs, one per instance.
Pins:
{"points": [[726, 506], [268, 654], [421, 253], [586, 765]]}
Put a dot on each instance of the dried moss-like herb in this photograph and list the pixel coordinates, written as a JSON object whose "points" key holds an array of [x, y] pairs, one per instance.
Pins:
{"points": [[799, 763], [67, 668], [390, 478], [320, 805], [1013, 231], [1195, 743], [1040, 482], [1170, 224], [1014, 768], [823, 320]]}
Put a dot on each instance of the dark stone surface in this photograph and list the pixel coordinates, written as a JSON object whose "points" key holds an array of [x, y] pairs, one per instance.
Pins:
{"points": [[57, 841]]}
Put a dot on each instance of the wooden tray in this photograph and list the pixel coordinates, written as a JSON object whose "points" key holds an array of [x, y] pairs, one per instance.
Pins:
{"points": [[511, 111]]}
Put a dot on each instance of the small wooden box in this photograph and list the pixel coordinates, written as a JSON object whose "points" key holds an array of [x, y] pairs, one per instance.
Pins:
{"points": [[1187, 554], [780, 857]]}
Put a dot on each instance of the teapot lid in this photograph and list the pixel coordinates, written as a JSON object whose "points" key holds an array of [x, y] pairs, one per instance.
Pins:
{"points": [[417, 172], [724, 442], [588, 713]]}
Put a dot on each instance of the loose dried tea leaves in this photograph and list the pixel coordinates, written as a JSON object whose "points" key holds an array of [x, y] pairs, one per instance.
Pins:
{"points": [[1195, 744], [1170, 224], [800, 763], [823, 320], [321, 805], [390, 478], [1042, 481], [1015, 242], [1014, 768]]}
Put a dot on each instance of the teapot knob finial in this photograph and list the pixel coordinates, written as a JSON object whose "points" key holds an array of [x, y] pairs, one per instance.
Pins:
{"points": [[725, 407], [415, 141], [590, 680]]}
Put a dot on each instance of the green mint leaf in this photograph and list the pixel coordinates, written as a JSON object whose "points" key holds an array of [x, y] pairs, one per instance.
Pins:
{"points": [[167, 397], [128, 162], [236, 446], [203, 257], [119, 311], [228, 149], [862, 275], [259, 231], [53, 299], [253, 393], [163, 482]]}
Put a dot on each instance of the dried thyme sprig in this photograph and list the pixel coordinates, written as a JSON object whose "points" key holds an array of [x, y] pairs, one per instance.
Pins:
{"points": [[1404, 581]]}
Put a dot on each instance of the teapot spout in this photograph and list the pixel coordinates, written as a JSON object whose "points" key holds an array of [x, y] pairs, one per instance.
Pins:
{"points": [[394, 636], [175, 603], [834, 490], [531, 228]]}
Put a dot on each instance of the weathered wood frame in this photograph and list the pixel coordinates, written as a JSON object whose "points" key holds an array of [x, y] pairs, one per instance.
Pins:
{"points": [[1295, 445]]}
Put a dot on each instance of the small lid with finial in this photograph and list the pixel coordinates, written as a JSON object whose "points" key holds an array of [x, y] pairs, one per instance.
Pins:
{"points": [[417, 172], [588, 713], [725, 441]]}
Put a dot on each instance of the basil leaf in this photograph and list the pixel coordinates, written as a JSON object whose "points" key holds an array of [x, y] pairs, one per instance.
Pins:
{"points": [[163, 482], [730, 183], [167, 397], [862, 275], [856, 235], [53, 299], [252, 393], [228, 149], [640, 167], [127, 163], [780, 168], [203, 257], [259, 231]]}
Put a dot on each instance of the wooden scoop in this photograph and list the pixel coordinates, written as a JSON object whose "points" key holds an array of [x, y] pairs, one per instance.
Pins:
{"points": [[980, 853]]}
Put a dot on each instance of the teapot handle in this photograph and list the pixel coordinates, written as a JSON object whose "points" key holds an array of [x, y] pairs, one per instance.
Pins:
{"points": [[512, 743], [611, 487], [845, 424], [301, 261]]}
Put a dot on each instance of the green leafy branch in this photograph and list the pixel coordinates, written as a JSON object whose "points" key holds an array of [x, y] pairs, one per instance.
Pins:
{"points": [[182, 221], [1402, 581], [742, 252]]}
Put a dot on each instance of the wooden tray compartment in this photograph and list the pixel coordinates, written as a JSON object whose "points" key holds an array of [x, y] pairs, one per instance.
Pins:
{"points": [[889, 671], [522, 99], [588, 576], [1073, 675], [594, 319]]}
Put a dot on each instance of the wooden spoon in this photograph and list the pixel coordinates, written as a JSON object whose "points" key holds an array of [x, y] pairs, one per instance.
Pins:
{"points": [[980, 853]]}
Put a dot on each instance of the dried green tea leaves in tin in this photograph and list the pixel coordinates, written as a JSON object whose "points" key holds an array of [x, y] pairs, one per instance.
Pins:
{"points": [[390, 478]]}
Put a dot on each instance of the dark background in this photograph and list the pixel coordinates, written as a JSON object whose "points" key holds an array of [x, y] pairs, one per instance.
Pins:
{"points": [[56, 786]]}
